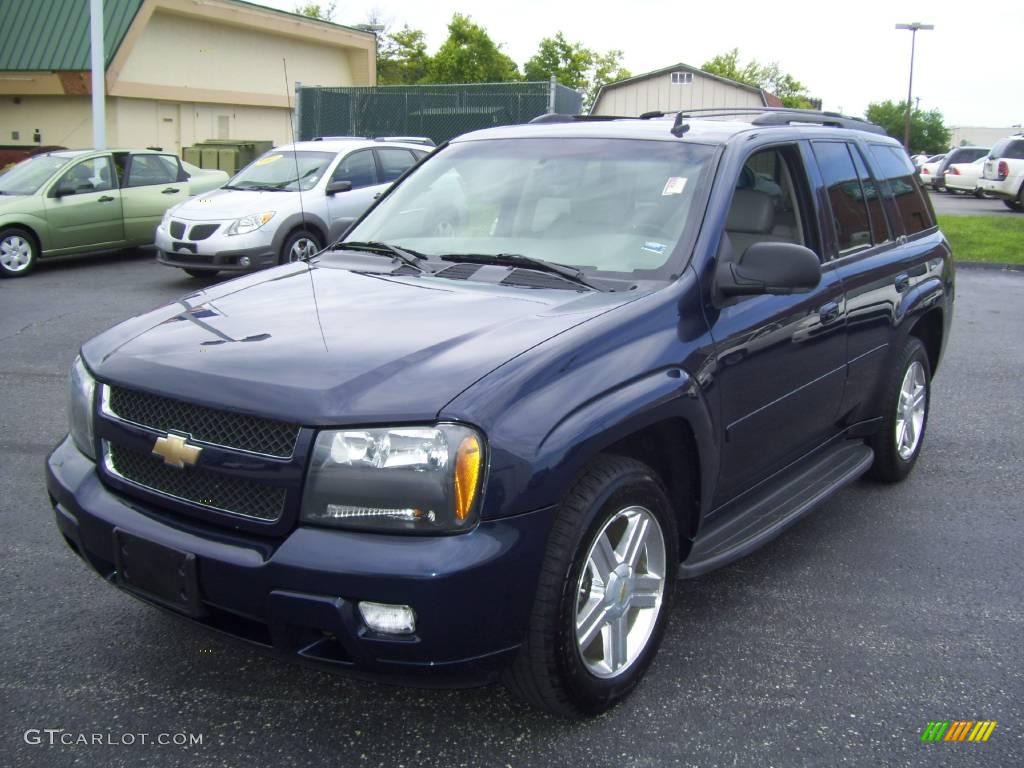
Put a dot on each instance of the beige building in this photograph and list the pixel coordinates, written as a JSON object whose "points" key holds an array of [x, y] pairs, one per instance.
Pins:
{"points": [[178, 71], [977, 136], [676, 88]]}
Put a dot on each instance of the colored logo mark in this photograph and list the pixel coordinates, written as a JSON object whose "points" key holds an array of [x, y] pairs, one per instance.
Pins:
{"points": [[958, 730]]}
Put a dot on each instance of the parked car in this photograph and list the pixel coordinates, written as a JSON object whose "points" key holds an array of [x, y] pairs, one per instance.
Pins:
{"points": [[928, 169], [957, 155], [286, 205], [445, 455], [918, 160], [1003, 173], [963, 177], [86, 201]]}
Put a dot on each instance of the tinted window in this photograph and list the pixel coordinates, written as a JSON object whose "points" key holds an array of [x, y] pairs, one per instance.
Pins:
{"points": [[393, 163], [873, 198], [152, 169], [899, 183], [966, 155], [358, 168], [1010, 149], [845, 194], [95, 175]]}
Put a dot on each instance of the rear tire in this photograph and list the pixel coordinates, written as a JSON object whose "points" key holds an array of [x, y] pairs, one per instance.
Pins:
{"points": [[604, 592], [18, 252], [905, 402]]}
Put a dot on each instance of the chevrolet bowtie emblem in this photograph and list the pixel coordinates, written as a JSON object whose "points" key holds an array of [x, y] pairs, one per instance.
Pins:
{"points": [[176, 452]]}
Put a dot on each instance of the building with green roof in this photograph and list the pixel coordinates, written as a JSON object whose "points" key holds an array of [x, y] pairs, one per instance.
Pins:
{"points": [[177, 71]]}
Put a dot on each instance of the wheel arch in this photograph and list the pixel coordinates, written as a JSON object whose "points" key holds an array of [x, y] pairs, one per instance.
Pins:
{"points": [[32, 231], [929, 328]]}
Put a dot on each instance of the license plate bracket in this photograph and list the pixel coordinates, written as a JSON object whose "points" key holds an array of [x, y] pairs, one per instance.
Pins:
{"points": [[158, 573]]}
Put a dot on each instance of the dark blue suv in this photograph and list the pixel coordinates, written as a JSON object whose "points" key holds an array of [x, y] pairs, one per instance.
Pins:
{"points": [[555, 368]]}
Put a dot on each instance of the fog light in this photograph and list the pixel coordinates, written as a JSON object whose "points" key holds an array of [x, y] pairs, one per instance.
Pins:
{"points": [[244, 261], [388, 619]]}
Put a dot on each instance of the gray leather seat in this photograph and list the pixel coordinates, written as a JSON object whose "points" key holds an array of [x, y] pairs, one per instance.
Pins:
{"points": [[751, 220]]}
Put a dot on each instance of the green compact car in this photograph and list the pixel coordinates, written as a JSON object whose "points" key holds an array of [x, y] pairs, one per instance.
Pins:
{"points": [[90, 201]]}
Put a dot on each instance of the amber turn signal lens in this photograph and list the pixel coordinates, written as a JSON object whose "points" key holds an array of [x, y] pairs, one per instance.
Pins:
{"points": [[467, 476]]}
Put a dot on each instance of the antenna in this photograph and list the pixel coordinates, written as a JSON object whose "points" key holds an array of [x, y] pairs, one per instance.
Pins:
{"points": [[295, 154]]}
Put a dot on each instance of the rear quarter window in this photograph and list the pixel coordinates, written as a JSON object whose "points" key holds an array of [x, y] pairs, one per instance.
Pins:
{"points": [[900, 184], [1012, 149]]}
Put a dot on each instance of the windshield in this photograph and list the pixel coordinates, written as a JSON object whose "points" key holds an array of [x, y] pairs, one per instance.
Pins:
{"points": [[283, 171], [29, 175], [608, 205]]}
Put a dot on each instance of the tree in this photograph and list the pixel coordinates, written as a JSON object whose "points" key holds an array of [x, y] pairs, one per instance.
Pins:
{"points": [[317, 11], [575, 65], [470, 56], [928, 132], [768, 77], [402, 57]]}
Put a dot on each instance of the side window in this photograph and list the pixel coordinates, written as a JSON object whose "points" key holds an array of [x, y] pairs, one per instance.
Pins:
{"points": [[899, 183], [95, 175], [393, 163], [873, 197], [769, 203], [845, 196], [145, 170], [358, 168]]}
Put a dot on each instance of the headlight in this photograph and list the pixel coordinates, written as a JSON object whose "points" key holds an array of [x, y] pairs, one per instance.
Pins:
{"points": [[403, 479], [247, 224], [81, 386]]}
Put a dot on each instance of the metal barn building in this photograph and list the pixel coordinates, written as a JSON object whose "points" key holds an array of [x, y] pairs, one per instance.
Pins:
{"points": [[675, 88]]}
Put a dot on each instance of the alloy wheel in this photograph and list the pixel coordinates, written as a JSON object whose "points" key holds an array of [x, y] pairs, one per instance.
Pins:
{"points": [[15, 253], [910, 410]]}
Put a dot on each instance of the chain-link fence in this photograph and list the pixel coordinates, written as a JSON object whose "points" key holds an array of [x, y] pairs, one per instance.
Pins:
{"points": [[438, 111]]}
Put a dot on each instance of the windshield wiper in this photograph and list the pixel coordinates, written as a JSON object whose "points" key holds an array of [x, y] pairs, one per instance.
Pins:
{"points": [[412, 258], [572, 274]]}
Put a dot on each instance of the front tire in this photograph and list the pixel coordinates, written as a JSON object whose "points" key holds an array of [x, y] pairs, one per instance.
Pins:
{"points": [[300, 245], [604, 592], [906, 399], [18, 252]]}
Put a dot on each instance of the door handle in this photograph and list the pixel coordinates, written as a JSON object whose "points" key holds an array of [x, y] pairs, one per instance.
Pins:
{"points": [[104, 199], [902, 282], [829, 312], [171, 191], [377, 195]]}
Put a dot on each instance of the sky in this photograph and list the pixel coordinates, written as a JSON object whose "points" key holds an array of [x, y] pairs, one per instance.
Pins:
{"points": [[848, 54]]}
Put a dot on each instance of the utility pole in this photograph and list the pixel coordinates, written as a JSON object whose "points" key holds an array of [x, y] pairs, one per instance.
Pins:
{"points": [[99, 72], [914, 27]]}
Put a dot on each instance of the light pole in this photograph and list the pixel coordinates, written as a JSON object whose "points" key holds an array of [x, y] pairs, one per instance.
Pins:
{"points": [[910, 86]]}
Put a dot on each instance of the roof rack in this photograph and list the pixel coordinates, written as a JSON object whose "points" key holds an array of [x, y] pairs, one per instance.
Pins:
{"points": [[786, 116]]}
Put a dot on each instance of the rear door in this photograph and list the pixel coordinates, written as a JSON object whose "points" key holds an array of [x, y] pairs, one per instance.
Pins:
{"points": [[86, 213], [152, 184]]}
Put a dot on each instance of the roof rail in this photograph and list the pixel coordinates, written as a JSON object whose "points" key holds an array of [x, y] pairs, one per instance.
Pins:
{"points": [[426, 141], [787, 116], [553, 117]]}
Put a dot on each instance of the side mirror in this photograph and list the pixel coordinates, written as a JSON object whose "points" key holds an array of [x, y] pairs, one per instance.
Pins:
{"points": [[769, 267], [334, 187], [64, 187]]}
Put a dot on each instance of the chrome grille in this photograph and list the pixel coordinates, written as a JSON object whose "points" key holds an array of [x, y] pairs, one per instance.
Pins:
{"points": [[231, 430], [197, 485]]}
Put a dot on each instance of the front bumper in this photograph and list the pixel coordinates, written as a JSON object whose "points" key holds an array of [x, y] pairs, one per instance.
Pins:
{"points": [[218, 252], [472, 593]]}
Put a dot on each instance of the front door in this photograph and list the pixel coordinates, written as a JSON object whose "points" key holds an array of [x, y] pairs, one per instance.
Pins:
{"points": [[781, 360], [151, 186], [343, 208], [83, 208]]}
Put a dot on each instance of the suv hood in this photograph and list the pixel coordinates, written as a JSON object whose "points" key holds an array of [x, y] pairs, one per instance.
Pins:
{"points": [[223, 204], [319, 345]]}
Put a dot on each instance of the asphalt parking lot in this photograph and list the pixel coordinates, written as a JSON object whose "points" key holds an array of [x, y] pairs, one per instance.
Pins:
{"points": [[951, 204], [834, 645]]}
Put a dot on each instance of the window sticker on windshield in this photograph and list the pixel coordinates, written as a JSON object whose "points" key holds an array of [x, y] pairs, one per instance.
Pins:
{"points": [[653, 247], [674, 186], [268, 159]]}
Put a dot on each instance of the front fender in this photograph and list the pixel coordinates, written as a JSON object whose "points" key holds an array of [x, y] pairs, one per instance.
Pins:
{"points": [[36, 224], [548, 412]]}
